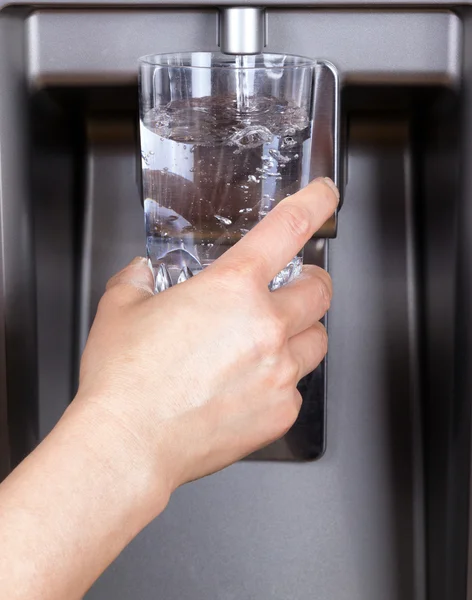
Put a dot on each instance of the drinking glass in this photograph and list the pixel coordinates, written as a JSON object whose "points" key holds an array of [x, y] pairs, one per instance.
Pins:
{"points": [[223, 140]]}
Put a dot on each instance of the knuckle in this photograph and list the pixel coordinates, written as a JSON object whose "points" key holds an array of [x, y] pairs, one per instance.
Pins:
{"points": [[233, 274], [288, 413], [297, 220], [321, 277], [322, 338], [289, 373], [325, 291], [113, 281], [270, 336], [111, 298], [121, 293], [285, 375], [276, 333]]}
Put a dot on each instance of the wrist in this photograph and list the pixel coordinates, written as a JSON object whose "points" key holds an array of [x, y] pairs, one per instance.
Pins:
{"points": [[140, 479]]}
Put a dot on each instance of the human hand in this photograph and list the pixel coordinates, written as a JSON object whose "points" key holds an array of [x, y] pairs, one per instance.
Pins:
{"points": [[205, 373], [172, 387]]}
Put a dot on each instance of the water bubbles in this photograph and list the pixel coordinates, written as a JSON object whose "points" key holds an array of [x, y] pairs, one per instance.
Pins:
{"points": [[223, 220], [251, 137], [267, 162], [213, 121], [228, 141], [288, 142], [279, 157]]}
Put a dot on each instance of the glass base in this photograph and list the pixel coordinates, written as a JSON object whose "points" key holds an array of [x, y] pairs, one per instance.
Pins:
{"points": [[166, 276]]}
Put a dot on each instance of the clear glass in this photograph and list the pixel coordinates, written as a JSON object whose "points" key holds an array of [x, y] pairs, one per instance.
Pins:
{"points": [[223, 140]]}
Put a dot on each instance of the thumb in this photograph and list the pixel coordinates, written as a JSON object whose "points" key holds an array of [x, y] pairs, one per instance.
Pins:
{"points": [[133, 283]]}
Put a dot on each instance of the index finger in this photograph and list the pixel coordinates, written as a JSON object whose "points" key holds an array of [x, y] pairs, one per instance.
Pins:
{"points": [[283, 232]]}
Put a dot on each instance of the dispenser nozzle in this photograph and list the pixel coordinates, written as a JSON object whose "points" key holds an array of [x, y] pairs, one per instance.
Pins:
{"points": [[242, 30]]}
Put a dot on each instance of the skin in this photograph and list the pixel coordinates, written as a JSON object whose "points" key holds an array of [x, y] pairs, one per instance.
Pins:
{"points": [[173, 387]]}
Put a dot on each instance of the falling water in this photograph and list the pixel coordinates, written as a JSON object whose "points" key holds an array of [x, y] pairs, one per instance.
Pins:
{"points": [[244, 82]]}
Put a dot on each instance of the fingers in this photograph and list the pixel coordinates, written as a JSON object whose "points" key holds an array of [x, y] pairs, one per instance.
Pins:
{"points": [[305, 300], [134, 282], [273, 243], [309, 348]]}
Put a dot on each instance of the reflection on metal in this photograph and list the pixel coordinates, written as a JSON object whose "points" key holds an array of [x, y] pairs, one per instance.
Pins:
{"points": [[306, 440], [242, 30], [325, 140]]}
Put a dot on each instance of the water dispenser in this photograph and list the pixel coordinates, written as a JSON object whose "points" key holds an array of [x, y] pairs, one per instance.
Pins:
{"points": [[384, 512]]}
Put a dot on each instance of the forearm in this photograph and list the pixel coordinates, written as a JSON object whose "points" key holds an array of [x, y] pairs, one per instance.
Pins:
{"points": [[70, 508]]}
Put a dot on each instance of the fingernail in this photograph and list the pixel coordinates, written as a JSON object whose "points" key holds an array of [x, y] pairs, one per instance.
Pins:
{"points": [[138, 260], [330, 183]]}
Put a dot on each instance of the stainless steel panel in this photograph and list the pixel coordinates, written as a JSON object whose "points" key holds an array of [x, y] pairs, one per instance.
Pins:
{"points": [[462, 570], [351, 526], [18, 374], [366, 46], [338, 4]]}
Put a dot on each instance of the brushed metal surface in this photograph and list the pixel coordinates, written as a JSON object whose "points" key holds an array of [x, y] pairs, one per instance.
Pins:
{"points": [[242, 30], [335, 4], [348, 527], [382, 46]]}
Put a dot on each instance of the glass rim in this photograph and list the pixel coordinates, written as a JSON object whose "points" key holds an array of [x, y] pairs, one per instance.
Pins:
{"points": [[158, 60]]}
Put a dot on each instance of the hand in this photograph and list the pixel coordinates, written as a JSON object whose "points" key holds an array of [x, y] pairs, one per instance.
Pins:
{"points": [[206, 372], [172, 387]]}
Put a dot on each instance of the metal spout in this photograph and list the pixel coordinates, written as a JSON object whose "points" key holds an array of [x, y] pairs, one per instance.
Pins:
{"points": [[242, 30]]}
